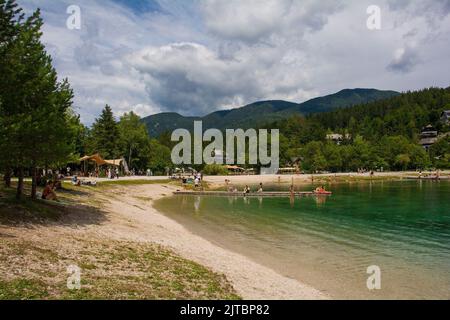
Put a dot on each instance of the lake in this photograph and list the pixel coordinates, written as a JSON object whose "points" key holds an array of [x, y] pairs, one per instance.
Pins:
{"points": [[402, 227]]}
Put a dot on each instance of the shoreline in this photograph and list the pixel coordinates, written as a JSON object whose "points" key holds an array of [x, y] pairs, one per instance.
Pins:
{"points": [[317, 178], [125, 213], [251, 280], [122, 217]]}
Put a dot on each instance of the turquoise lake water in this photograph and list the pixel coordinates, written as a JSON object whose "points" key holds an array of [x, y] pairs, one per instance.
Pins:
{"points": [[328, 242]]}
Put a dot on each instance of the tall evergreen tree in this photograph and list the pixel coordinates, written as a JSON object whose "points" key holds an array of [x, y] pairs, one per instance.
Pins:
{"points": [[10, 18], [35, 107], [105, 135]]}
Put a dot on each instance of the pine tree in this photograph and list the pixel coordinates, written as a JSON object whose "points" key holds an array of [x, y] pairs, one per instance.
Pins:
{"points": [[35, 106], [10, 18], [105, 135]]}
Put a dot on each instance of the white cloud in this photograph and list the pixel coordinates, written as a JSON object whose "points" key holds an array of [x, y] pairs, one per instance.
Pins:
{"points": [[199, 56], [190, 78], [254, 20], [405, 59]]}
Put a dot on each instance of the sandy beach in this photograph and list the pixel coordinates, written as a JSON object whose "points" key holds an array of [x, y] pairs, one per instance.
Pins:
{"points": [[124, 213], [132, 218], [129, 217]]}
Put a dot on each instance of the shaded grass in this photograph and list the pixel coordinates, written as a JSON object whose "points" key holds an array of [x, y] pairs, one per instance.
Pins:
{"points": [[25, 209]]}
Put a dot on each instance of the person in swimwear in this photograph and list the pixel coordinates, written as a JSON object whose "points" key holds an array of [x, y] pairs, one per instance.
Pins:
{"points": [[49, 193]]}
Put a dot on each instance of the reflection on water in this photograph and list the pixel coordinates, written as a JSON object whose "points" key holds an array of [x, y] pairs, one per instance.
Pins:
{"points": [[328, 242], [185, 199]]}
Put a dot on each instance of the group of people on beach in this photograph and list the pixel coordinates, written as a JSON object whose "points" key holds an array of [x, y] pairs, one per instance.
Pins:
{"points": [[197, 180], [112, 173]]}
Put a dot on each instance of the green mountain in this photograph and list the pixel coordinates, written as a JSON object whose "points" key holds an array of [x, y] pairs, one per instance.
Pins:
{"points": [[262, 112]]}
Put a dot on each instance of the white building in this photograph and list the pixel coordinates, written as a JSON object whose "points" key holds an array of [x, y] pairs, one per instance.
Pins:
{"points": [[445, 117]]}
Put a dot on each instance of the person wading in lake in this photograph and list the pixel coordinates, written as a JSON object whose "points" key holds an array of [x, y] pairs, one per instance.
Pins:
{"points": [[292, 195], [291, 190], [260, 190]]}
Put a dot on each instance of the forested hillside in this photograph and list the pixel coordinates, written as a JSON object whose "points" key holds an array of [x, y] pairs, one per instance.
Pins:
{"points": [[261, 112], [382, 134]]}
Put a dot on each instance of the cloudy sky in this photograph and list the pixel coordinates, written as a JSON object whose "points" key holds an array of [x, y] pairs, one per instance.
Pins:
{"points": [[195, 57]]}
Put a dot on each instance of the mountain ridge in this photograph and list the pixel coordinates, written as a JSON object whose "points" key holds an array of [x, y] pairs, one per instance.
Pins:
{"points": [[261, 112]]}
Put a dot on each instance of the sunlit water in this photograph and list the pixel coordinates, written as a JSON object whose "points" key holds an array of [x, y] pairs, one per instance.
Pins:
{"points": [[328, 242]]}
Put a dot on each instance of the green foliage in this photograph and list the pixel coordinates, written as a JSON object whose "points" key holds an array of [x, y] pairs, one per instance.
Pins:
{"points": [[405, 115], [105, 135], [215, 170], [381, 134], [134, 140], [440, 153], [260, 113], [159, 157], [35, 107]]}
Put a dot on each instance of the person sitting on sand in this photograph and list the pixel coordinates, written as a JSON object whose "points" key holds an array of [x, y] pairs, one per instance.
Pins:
{"points": [[49, 193], [75, 181], [246, 190]]}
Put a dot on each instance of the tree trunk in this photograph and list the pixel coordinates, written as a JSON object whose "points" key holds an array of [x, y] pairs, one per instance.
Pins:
{"points": [[129, 157], [33, 183], [19, 184], [7, 178]]}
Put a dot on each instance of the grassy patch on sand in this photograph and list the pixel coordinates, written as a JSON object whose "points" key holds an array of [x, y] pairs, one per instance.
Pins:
{"points": [[109, 270]]}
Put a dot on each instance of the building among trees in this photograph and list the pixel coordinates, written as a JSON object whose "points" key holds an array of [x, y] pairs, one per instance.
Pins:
{"points": [[445, 117], [428, 137]]}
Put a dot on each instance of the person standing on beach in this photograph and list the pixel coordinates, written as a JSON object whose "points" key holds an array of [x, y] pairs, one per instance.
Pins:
{"points": [[260, 190]]}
